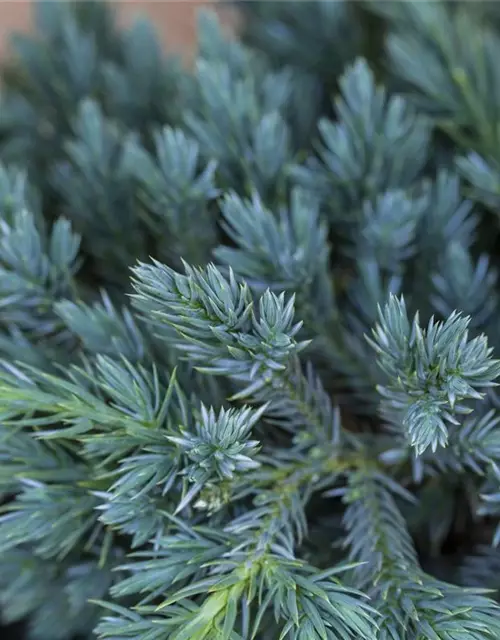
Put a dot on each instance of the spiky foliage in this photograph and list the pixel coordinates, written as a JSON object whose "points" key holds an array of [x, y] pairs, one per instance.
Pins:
{"points": [[249, 324]]}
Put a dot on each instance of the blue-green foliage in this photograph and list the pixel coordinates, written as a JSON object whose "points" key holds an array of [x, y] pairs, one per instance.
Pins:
{"points": [[249, 326]]}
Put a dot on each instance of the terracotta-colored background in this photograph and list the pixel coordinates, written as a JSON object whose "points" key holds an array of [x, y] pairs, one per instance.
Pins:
{"points": [[175, 20]]}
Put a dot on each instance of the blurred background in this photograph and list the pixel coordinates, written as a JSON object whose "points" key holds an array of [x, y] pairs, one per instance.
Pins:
{"points": [[175, 20]]}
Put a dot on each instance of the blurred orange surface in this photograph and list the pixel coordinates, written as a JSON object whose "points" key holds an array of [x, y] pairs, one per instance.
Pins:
{"points": [[175, 20]]}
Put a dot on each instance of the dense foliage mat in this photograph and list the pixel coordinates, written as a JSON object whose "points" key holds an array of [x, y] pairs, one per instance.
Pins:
{"points": [[249, 326]]}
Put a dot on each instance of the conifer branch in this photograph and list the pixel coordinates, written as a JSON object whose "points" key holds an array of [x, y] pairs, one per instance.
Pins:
{"points": [[169, 469], [431, 372], [412, 604]]}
